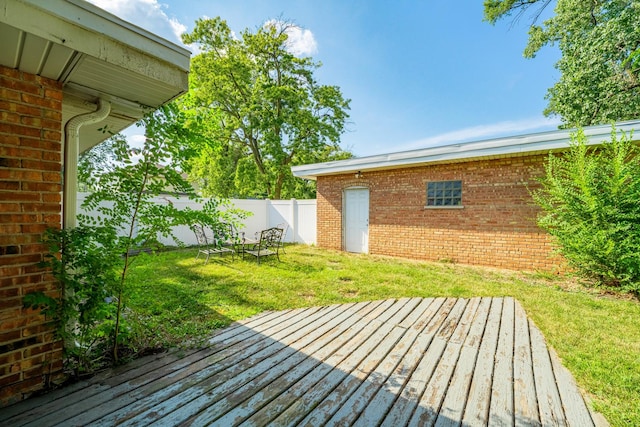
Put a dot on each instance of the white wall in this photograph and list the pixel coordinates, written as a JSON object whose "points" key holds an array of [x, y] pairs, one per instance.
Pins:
{"points": [[300, 215]]}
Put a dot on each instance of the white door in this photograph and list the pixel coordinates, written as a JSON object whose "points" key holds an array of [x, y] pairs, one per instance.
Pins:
{"points": [[356, 227]]}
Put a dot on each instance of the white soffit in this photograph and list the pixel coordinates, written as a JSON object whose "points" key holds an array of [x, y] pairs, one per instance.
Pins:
{"points": [[536, 143], [94, 54]]}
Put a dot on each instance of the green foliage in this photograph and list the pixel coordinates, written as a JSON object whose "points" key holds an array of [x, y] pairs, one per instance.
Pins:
{"points": [[262, 111], [600, 45], [589, 198], [84, 265], [98, 158], [124, 195], [91, 262]]}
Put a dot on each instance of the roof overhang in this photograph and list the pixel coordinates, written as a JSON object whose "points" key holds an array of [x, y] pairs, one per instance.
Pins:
{"points": [[538, 143], [94, 54]]}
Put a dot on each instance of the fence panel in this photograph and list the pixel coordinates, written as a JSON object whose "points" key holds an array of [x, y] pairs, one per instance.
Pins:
{"points": [[300, 215], [306, 222]]}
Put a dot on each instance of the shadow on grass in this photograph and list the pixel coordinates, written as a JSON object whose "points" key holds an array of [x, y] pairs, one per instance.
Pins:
{"points": [[172, 305], [224, 289]]}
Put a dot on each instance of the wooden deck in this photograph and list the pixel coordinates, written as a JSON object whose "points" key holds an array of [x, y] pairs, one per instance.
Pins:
{"points": [[431, 361]]}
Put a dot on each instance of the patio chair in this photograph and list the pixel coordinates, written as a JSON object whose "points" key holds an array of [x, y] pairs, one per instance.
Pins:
{"points": [[210, 246], [285, 228], [268, 244], [245, 243]]}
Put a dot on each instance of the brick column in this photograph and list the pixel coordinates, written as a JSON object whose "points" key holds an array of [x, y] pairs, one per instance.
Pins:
{"points": [[30, 202]]}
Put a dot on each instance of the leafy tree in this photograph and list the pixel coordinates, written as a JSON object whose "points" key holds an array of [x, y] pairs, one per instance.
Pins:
{"points": [[600, 63], [589, 199], [263, 109], [124, 195], [91, 262]]}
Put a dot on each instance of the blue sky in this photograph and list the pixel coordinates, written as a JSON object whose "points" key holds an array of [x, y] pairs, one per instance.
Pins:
{"points": [[419, 73]]}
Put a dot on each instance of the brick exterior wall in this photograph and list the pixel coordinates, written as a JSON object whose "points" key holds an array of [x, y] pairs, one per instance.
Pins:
{"points": [[496, 227], [30, 201]]}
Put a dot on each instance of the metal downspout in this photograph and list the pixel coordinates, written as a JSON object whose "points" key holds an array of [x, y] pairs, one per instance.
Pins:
{"points": [[71, 152]]}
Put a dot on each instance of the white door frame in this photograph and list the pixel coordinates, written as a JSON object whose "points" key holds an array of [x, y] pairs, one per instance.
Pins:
{"points": [[360, 238]]}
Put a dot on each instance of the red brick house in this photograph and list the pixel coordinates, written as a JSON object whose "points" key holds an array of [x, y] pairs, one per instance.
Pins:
{"points": [[67, 69], [467, 203]]}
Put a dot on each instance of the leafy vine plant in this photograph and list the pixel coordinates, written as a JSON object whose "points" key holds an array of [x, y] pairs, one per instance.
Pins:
{"points": [[90, 262]]}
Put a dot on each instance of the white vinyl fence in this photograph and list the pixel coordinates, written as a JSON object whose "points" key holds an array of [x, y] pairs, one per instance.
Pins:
{"points": [[300, 215]]}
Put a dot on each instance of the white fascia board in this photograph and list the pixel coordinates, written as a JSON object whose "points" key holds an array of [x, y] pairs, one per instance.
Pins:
{"points": [[493, 148], [97, 33]]}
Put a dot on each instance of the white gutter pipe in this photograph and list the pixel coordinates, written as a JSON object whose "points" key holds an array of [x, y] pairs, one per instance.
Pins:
{"points": [[71, 152]]}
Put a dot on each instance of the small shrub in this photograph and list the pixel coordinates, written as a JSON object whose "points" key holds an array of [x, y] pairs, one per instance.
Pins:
{"points": [[84, 267]]}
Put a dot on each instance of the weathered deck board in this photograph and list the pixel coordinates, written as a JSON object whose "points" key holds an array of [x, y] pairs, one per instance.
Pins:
{"points": [[574, 405], [429, 405], [551, 411], [478, 400], [384, 400], [291, 391], [225, 351], [186, 398], [525, 403], [456, 394], [78, 392], [408, 397], [412, 361], [501, 409], [310, 351]]}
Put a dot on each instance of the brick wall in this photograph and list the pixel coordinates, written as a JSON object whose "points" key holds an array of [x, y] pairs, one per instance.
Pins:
{"points": [[495, 228], [30, 201]]}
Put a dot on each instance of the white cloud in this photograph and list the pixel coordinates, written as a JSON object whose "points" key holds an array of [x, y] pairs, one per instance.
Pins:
{"points": [[301, 41], [147, 14], [494, 130]]}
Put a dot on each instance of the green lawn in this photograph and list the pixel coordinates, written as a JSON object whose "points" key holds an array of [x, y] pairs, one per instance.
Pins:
{"points": [[596, 336]]}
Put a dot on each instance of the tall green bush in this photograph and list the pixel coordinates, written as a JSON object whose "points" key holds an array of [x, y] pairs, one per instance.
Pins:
{"points": [[590, 200]]}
